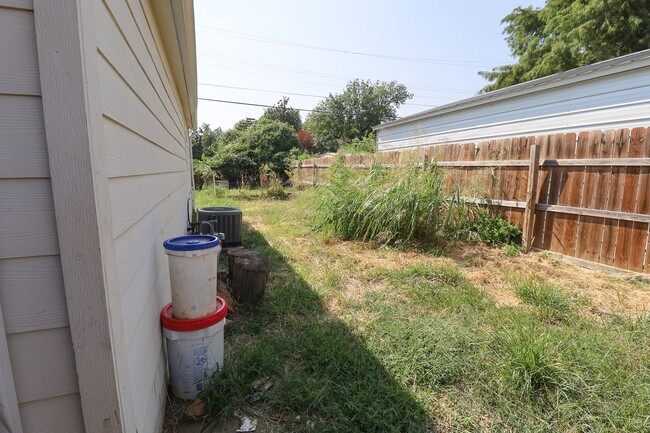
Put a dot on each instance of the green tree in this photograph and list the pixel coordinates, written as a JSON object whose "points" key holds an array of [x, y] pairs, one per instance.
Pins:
{"points": [[567, 34], [341, 118], [283, 113], [203, 140], [264, 142]]}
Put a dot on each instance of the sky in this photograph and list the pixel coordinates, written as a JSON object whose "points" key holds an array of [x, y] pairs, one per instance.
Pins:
{"points": [[281, 48]]}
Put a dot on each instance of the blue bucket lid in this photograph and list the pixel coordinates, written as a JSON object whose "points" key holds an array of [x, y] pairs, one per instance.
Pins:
{"points": [[191, 243]]}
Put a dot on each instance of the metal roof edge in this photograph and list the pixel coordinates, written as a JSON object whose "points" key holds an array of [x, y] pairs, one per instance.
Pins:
{"points": [[556, 80]]}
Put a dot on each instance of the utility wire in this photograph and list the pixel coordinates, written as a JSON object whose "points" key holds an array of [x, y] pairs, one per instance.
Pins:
{"points": [[290, 93], [290, 79], [261, 90], [260, 105], [447, 62], [247, 103], [321, 74]]}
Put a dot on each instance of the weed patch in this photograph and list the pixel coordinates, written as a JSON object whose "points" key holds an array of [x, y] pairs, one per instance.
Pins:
{"points": [[552, 303]]}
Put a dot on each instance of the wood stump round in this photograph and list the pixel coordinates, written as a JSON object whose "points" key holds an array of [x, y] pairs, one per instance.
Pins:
{"points": [[248, 273]]}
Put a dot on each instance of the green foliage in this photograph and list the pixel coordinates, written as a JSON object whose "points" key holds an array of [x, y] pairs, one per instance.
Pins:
{"points": [[530, 363], [553, 304], [512, 250], [341, 118], [245, 149], [204, 140], [274, 188], [365, 144], [389, 206], [492, 229], [283, 113], [202, 173], [567, 34]]}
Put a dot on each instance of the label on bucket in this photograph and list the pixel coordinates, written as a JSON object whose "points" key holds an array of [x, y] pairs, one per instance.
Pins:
{"points": [[200, 357]]}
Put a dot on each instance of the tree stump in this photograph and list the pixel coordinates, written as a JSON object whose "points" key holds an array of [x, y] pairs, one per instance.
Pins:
{"points": [[248, 273]]}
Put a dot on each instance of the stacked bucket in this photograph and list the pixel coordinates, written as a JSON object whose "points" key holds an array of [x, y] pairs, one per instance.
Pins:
{"points": [[193, 322]]}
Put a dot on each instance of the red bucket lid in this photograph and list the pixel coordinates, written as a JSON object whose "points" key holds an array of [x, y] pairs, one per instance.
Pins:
{"points": [[188, 325]]}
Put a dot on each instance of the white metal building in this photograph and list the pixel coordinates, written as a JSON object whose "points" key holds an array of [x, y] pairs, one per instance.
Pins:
{"points": [[606, 95], [96, 100]]}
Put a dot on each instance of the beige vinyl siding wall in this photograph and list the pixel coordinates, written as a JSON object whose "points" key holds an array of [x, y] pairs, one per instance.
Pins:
{"points": [[31, 282], [148, 165]]}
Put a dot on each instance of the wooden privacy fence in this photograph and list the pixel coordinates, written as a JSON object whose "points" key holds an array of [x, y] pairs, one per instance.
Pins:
{"points": [[583, 195]]}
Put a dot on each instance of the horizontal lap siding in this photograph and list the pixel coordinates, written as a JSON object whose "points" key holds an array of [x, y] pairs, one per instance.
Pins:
{"points": [[149, 180], [31, 282], [54, 415], [609, 102]]}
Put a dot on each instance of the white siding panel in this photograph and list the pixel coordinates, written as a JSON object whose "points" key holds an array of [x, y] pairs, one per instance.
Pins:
{"points": [[19, 61], [146, 346], [54, 415], [32, 294], [9, 411], [118, 53], [27, 223], [149, 292], [149, 175], [18, 4], [133, 247], [120, 103], [620, 99], [627, 116], [22, 137], [43, 364], [142, 14], [128, 154], [134, 197], [153, 398], [124, 19]]}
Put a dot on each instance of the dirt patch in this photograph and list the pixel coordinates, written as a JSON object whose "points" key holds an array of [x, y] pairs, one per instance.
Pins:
{"points": [[490, 269], [497, 273]]}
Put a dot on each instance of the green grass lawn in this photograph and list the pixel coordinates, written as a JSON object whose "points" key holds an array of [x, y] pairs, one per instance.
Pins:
{"points": [[355, 337]]}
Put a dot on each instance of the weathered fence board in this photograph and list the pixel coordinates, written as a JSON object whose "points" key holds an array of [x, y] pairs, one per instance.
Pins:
{"points": [[591, 199]]}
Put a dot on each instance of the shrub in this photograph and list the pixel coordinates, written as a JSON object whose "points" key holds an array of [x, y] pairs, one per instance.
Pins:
{"points": [[493, 229], [274, 188]]}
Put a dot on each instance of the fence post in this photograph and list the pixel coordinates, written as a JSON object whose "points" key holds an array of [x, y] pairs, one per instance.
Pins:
{"points": [[425, 162], [214, 183], [313, 181], [531, 199], [298, 173]]}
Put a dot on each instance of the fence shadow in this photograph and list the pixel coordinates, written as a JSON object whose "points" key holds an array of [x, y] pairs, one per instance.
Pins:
{"points": [[321, 376]]}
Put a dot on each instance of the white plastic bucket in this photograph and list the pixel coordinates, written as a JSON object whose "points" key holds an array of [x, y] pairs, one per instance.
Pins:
{"points": [[193, 355], [193, 264]]}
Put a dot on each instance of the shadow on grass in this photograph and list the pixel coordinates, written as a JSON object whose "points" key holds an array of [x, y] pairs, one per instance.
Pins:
{"points": [[323, 378]]}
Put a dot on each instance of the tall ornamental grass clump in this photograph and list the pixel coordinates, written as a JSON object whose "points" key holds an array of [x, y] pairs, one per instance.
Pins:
{"points": [[391, 205]]}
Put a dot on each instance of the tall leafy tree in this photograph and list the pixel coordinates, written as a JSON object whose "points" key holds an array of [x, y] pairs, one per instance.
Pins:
{"points": [[204, 140], [283, 113], [567, 34], [263, 143], [341, 118]]}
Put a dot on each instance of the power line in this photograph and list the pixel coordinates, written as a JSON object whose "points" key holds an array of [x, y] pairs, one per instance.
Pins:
{"points": [[321, 74], [246, 103], [290, 93], [261, 90], [300, 81], [447, 62], [268, 106]]}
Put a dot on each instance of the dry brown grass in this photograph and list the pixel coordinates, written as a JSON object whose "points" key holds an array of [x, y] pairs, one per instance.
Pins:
{"points": [[488, 268]]}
